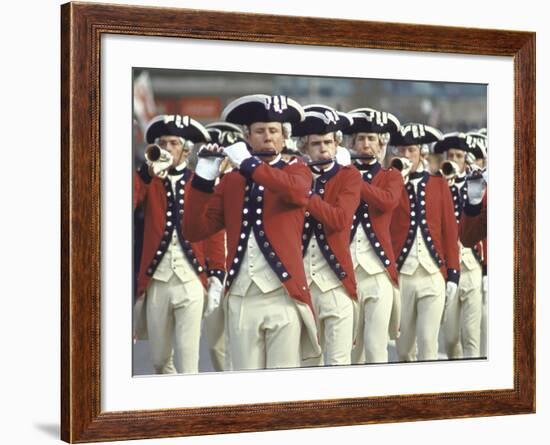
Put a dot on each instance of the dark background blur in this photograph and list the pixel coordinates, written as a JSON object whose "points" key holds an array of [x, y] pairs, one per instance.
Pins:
{"points": [[203, 95]]}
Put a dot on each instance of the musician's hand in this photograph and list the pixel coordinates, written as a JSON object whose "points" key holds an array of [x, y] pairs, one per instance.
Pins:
{"points": [[451, 289], [214, 295], [407, 166], [237, 153], [342, 156], [476, 187], [209, 168], [160, 168]]}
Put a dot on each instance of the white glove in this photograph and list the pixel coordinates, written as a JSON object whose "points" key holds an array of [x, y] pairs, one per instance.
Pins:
{"points": [[237, 153], [160, 166], [450, 294], [407, 165], [214, 295], [476, 188], [208, 168], [484, 287], [342, 156]]}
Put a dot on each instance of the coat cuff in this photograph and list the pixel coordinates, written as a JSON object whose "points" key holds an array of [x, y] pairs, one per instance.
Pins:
{"points": [[218, 273], [143, 173], [453, 275], [248, 166], [204, 185], [472, 209]]}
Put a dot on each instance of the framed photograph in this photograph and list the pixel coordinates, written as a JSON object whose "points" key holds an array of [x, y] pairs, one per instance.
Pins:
{"points": [[124, 66]]}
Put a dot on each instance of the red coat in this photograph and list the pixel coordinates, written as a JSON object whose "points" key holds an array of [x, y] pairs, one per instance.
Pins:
{"points": [[332, 205], [432, 214], [473, 224], [161, 216], [271, 202], [460, 199], [380, 192]]}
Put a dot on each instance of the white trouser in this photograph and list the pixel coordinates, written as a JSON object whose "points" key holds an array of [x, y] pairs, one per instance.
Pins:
{"points": [[213, 330], [462, 326], [263, 329], [334, 313], [422, 303], [483, 334], [375, 293], [174, 310]]}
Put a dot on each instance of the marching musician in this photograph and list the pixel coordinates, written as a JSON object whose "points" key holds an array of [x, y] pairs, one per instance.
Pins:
{"points": [[221, 133], [477, 192], [325, 240], [473, 227], [261, 205], [462, 322], [425, 240], [371, 248], [172, 273], [342, 153]]}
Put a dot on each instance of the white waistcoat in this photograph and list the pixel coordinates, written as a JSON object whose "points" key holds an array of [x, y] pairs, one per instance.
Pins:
{"points": [[174, 261], [363, 255], [317, 269], [419, 253], [254, 268]]}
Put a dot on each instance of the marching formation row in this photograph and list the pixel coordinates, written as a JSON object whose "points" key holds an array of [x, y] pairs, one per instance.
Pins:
{"points": [[295, 243]]}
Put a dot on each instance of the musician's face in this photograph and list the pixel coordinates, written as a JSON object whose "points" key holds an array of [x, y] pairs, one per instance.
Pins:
{"points": [[321, 146], [265, 136], [412, 153], [175, 147], [367, 144], [458, 156]]}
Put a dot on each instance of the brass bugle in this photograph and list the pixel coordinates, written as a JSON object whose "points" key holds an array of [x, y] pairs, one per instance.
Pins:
{"points": [[397, 163], [449, 169], [152, 153]]}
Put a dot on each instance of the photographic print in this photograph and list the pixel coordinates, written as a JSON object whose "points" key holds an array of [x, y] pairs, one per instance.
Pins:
{"points": [[266, 227], [295, 221]]}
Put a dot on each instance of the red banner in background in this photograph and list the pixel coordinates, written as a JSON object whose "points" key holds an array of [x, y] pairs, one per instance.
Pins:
{"points": [[201, 107], [208, 108]]}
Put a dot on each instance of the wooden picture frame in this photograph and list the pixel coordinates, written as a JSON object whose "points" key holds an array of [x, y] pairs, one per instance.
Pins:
{"points": [[82, 26]]}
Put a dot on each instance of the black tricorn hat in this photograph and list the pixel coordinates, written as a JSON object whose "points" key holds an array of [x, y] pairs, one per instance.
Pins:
{"points": [[321, 108], [320, 122], [477, 144], [415, 134], [263, 108], [452, 140], [224, 133], [369, 120], [176, 125]]}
